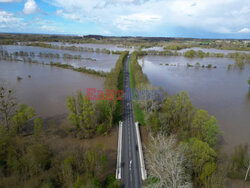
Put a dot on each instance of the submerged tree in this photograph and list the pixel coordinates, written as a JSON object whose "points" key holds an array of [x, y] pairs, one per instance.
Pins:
{"points": [[240, 161]]}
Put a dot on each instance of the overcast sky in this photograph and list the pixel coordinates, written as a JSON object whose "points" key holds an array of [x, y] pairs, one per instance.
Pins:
{"points": [[168, 18]]}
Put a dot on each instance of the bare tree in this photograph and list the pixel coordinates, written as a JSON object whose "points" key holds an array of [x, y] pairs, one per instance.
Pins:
{"points": [[150, 98], [165, 160], [8, 104]]}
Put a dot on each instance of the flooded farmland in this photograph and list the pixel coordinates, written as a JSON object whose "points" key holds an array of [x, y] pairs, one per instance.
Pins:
{"points": [[92, 60], [182, 51], [213, 50], [223, 93], [111, 47], [48, 87]]}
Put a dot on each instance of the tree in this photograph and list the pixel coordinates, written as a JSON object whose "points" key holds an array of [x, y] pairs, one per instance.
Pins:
{"points": [[154, 123], [74, 114], [205, 128], [8, 105], [165, 161], [202, 159], [104, 116], [240, 161], [4, 143], [38, 124], [22, 116], [190, 53], [177, 113], [67, 172], [82, 114]]}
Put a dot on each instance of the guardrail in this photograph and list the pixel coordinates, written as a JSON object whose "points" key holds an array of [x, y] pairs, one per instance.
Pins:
{"points": [[119, 153], [143, 170]]}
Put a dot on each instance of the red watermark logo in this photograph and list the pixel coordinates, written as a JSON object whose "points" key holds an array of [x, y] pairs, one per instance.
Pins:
{"points": [[93, 94]]}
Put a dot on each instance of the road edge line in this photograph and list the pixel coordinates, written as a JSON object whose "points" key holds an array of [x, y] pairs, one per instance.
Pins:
{"points": [[119, 151], [143, 170]]}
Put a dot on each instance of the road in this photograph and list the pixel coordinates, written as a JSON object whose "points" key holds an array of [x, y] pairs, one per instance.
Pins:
{"points": [[130, 172]]}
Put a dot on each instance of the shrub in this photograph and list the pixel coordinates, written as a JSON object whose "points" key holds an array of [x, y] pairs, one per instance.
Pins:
{"points": [[209, 66]]}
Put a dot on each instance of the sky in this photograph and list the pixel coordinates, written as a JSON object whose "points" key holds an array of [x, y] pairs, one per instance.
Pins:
{"points": [[154, 18]]}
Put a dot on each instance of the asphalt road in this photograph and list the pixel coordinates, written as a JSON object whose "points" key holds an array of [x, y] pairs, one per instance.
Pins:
{"points": [[130, 172]]}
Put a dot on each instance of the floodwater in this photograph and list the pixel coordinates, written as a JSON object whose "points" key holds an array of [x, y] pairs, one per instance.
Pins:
{"points": [[111, 47], [97, 61], [48, 87], [212, 50], [223, 93]]}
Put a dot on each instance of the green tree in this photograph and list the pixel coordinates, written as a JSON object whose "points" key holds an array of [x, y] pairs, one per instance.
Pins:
{"points": [[202, 159], [177, 113], [111, 182], [22, 116], [205, 128], [67, 171], [91, 161], [154, 122], [82, 114], [104, 114], [74, 114], [190, 53], [38, 125]]}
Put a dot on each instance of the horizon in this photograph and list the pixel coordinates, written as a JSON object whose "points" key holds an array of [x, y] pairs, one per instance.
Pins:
{"points": [[134, 18], [124, 36]]}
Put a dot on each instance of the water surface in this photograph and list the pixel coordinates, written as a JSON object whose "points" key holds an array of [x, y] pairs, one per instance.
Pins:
{"points": [[213, 50], [48, 87], [92, 60], [223, 93]]}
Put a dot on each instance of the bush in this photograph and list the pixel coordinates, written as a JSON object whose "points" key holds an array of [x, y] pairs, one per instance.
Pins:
{"points": [[190, 53], [209, 66], [38, 158]]}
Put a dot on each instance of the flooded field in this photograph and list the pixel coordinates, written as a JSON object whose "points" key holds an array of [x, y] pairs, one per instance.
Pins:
{"points": [[212, 50], [97, 61], [110, 47], [223, 93], [48, 87]]}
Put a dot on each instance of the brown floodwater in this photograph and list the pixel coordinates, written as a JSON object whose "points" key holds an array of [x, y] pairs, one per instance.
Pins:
{"points": [[111, 47], [92, 60], [223, 93], [213, 50], [48, 87], [210, 50]]}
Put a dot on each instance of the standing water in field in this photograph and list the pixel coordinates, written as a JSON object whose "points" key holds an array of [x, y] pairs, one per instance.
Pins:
{"points": [[46, 88], [223, 93], [91, 60]]}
